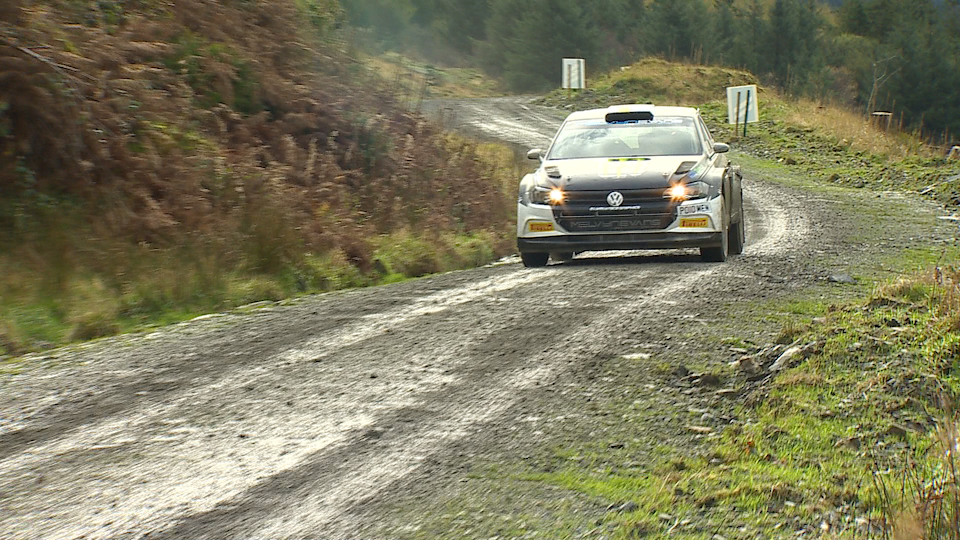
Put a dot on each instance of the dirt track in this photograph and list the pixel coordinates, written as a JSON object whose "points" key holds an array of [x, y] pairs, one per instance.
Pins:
{"points": [[301, 420]]}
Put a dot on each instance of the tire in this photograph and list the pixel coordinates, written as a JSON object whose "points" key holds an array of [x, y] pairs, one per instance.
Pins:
{"points": [[717, 254], [561, 257], [737, 236], [534, 260]]}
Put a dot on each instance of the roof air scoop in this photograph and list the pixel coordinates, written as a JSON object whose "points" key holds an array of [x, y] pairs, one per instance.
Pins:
{"points": [[628, 117]]}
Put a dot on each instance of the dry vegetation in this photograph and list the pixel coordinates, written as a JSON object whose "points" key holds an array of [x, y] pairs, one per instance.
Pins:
{"points": [[858, 132], [175, 157]]}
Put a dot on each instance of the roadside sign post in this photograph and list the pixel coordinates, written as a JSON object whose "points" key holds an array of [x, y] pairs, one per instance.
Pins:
{"points": [[749, 113], [573, 74], [748, 108], [736, 127]]}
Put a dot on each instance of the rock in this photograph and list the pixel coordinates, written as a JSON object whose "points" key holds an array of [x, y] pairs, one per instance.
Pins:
{"points": [[784, 360], [916, 426], [617, 445], [853, 443], [896, 431], [709, 379], [700, 429], [726, 392], [747, 365], [842, 278], [629, 506], [665, 517]]}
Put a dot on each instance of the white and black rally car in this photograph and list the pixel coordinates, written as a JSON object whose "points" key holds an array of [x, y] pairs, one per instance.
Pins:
{"points": [[631, 177]]}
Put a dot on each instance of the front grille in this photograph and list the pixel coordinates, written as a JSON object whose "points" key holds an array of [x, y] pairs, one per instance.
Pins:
{"points": [[642, 210], [631, 197]]}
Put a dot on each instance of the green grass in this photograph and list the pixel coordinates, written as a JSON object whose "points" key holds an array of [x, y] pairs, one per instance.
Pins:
{"points": [[113, 294], [814, 442]]}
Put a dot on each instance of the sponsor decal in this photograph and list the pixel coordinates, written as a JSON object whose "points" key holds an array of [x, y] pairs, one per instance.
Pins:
{"points": [[668, 121], [694, 223], [540, 226], [615, 198], [608, 209], [698, 170], [637, 224]]}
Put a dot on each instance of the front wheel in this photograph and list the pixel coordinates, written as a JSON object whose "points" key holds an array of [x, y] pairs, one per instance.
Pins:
{"points": [[534, 260], [737, 238], [719, 253]]}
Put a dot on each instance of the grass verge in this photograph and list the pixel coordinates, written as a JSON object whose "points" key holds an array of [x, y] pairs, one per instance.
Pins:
{"points": [[141, 287]]}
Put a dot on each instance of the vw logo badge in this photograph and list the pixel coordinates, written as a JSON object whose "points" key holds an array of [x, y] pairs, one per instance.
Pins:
{"points": [[615, 198]]}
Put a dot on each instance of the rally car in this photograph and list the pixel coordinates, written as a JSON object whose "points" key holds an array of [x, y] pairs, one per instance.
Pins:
{"points": [[631, 177]]}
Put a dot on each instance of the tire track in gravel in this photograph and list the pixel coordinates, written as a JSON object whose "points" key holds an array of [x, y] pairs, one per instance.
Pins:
{"points": [[124, 432], [313, 350], [279, 423], [331, 483], [332, 514]]}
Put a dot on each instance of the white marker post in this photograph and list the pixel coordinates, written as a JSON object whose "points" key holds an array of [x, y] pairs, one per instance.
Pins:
{"points": [[574, 74], [742, 106]]}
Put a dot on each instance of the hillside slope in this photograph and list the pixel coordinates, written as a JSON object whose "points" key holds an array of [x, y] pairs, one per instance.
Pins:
{"points": [[827, 142], [160, 157]]}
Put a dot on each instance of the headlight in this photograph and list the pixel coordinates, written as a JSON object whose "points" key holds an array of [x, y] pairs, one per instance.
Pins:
{"points": [[542, 195], [682, 192]]}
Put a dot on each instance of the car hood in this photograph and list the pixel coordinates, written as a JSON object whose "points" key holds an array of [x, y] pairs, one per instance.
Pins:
{"points": [[615, 173]]}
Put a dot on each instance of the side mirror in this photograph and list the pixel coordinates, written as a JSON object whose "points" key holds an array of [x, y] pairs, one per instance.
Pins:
{"points": [[721, 148], [536, 153]]}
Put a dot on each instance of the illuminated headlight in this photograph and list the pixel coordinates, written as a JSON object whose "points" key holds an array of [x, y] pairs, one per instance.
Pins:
{"points": [[682, 192], [690, 209], [540, 195]]}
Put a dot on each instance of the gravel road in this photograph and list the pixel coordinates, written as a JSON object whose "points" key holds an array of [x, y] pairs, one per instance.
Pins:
{"points": [[298, 420]]}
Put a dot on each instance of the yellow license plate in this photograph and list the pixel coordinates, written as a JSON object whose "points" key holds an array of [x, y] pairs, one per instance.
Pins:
{"points": [[541, 227], [691, 223]]}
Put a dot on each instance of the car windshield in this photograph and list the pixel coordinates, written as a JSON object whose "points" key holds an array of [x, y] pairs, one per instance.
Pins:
{"points": [[666, 136]]}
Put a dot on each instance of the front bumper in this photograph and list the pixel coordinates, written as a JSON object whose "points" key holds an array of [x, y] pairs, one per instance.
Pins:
{"points": [[601, 242], [538, 230]]}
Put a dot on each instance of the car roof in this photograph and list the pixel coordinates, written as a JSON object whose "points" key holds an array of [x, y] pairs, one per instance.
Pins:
{"points": [[597, 114]]}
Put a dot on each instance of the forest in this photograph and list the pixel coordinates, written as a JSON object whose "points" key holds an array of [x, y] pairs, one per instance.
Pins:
{"points": [[900, 56]]}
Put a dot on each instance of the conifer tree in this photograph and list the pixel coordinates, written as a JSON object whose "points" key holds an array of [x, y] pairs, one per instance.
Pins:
{"points": [[723, 31], [528, 39], [676, 26]]}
